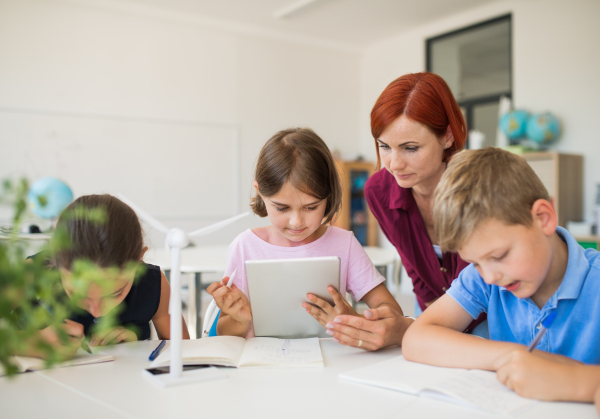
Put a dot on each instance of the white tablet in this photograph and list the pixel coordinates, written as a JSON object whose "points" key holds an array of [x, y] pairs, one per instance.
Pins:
{"points": [[277, 289]]}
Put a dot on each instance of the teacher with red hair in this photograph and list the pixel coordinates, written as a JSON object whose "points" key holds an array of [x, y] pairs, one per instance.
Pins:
{"points": [[417, 126]]}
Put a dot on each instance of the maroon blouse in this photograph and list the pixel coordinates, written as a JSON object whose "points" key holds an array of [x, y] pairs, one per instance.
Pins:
{"points": [[400, 220]]}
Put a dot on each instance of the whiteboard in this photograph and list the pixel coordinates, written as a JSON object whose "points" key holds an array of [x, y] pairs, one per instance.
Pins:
{"points": [[169, 168]]}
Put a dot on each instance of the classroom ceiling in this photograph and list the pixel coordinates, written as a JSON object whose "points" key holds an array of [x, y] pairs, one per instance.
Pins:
{"points": [[355, 23]]}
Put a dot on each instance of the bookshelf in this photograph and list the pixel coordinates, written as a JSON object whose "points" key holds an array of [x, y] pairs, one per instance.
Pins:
{"points": [[355, 215]]}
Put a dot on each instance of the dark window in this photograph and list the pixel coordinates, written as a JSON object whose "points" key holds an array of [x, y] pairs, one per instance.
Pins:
{"points": [[476, 62]]}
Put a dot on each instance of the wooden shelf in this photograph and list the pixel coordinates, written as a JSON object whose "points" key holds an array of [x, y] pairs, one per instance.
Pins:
{"points": [[588, 242], [365, 232]]}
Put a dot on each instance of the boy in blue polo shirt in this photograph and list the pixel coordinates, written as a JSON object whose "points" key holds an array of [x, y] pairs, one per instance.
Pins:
{"points": [[492, 208]]}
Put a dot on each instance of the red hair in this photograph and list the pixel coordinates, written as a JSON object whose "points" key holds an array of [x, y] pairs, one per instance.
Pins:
{"points": [[425, 98]]}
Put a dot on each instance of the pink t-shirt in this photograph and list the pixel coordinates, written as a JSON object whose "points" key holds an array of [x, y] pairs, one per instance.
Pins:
{"points": [[358, 276]]}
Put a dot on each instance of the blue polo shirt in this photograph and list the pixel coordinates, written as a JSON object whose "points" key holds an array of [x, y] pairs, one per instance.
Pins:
{"points": [[576, 329]]}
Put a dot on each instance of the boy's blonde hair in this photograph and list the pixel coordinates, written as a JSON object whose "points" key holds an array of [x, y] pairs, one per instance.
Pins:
{"points": [[483, 184]]}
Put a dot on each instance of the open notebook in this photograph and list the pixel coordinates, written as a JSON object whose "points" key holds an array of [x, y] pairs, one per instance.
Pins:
{"points": [[25, 363], [232, 351], [471, 388]]}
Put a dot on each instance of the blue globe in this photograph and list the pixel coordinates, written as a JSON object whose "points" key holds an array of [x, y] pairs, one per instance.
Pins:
{"points": [[48, 196], [514, 123], [543, 128]]}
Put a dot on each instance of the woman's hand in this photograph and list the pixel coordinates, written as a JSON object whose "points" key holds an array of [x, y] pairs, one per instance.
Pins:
{"points": [[324, 312], [116, 335], [378, 328], [232, 301]]}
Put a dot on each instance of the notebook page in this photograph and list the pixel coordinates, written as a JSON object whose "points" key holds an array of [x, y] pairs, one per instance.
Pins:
{"points": [[216, 350], [34, 364], [481, 389], [400, 375], [296, 353]]}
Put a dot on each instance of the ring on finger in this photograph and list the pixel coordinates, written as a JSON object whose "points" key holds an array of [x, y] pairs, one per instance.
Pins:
{"points": [[359, 343]]}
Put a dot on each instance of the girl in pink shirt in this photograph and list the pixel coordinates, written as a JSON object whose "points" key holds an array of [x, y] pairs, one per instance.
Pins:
{"points": [[298, 188]]}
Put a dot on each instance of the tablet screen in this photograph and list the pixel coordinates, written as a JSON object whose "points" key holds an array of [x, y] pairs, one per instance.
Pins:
{"points": [[278, 287]]}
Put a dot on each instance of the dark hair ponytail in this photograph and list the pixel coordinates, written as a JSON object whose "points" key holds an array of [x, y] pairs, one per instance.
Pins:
{"points": [[257, 205]]}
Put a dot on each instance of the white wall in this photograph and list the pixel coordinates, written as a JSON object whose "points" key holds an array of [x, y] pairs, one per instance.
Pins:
{"points": [[120, 70], [556, 62], [77, 73]]}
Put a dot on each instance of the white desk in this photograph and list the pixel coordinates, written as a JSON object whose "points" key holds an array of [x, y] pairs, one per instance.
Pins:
{"points": [[32, 395], [196, 260], [117, 389]]}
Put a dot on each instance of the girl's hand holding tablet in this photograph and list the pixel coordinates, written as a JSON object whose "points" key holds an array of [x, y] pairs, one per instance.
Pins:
{"points": [[324, 312]]}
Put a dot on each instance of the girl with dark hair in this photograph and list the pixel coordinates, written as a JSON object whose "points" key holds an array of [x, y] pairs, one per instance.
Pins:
{"points": [[417, 126], [103, 231], [298, 188]]}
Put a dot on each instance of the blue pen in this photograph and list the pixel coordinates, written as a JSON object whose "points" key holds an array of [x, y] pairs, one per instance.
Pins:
{"points": [[155, 352], [545, 326]]}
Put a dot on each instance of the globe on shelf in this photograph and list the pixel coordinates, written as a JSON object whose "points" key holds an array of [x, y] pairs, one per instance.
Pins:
{"points": [[48, 196], [514, 123], [543, 128]]}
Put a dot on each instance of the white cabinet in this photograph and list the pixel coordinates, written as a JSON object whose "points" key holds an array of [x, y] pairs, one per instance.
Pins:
{"points": [[562, 175]]}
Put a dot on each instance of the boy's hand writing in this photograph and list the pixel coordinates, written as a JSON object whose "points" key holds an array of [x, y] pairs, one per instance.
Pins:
{"points": [[232, 301], [536, 377], [325, 312], [116, 335]]}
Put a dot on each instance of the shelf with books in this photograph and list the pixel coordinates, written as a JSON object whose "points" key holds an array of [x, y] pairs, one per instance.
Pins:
{"points": [[355, 215]]}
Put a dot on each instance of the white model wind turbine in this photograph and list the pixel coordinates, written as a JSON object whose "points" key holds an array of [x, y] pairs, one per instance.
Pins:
{"points": [[177, 239]]}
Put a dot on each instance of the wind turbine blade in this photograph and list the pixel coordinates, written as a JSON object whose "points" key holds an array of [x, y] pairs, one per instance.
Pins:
{"points": [[144, 215], [217, 226]]}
